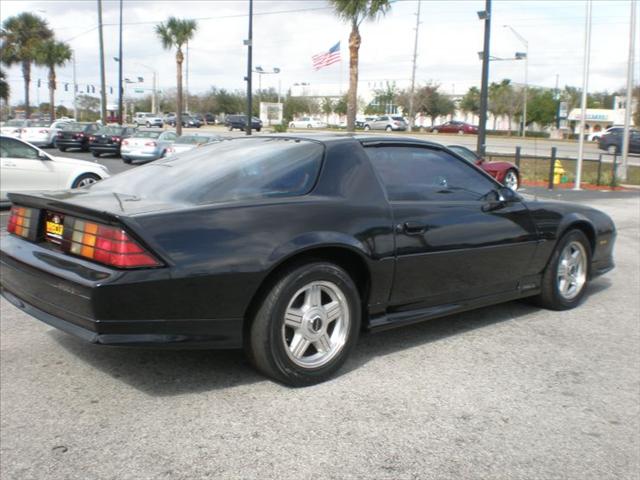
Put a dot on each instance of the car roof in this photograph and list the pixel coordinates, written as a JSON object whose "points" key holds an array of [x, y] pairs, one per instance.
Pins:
{"points": [[361, 138]]}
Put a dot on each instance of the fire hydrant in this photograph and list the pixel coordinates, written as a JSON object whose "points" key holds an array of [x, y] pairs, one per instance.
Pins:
{"points": [[558, 173]]}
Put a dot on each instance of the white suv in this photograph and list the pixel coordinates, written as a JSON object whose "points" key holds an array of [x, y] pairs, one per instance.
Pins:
{"points": [[146, 119]]}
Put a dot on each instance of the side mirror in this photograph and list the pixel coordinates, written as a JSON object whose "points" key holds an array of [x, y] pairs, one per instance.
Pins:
{"points": [[43, 156]]}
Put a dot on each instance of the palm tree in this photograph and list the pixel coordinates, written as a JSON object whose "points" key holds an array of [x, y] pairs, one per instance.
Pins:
{"points": [[355, 12], [20, 37], [52, 54], [175, 33], [4, 87]]}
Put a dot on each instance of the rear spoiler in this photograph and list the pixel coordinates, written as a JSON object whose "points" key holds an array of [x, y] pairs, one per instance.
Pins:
{"points": [[41, 201]]}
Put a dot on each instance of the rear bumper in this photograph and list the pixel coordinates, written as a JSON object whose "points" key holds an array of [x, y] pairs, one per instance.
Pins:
{"points": [[140, 155], [67, 143], [101, 306], [105, 148]]}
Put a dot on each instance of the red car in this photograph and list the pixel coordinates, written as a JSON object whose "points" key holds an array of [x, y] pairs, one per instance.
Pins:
{"points": [[455, 126], [504, 172]]}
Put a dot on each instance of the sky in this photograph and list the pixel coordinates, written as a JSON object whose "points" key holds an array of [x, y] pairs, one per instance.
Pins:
{"points": [[288, 32]]}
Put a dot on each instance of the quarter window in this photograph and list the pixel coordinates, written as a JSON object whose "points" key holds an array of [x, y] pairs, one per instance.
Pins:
{"points": [[418, 174]]}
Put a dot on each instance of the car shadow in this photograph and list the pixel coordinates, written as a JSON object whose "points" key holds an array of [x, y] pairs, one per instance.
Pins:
{"points": [[166, 372]]}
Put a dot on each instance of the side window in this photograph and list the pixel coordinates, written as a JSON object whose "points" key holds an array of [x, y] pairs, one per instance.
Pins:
{"points": [[419, 174], [10, 148]]}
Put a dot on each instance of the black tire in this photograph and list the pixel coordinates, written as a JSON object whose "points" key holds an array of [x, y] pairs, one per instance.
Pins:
{"points": [[367, 128], [388, 129], [62, 149], [265, 345], [258, 129], [230, 128], [292, 125], [126, 159], [95, 154], [85, 176], [550, 296]]}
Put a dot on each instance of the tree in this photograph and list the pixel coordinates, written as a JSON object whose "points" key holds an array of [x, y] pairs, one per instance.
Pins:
{"points": [[383, 101], [470, 103], [175, 33], [51, 54], [327, 108], [504, 100], [4, 87], [541, 107], [88, 107], [432, 103], [341, 105], [355, 12], [295, 106]]}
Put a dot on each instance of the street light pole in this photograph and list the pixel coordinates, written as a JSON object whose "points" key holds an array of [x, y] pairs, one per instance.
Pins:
{"points": [[585, 84], [484, 89], [412, 112], [526, 77], [249, 45], [154, 99], [629, 99], [120, 71], [103, 84]]}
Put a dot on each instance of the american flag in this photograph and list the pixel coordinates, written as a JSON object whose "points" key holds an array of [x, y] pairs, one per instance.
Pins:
{"points": [[325, 59]]}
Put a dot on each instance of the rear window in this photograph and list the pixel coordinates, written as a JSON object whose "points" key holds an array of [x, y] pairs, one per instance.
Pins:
{"points": [[193, 139], [111, 131], [239, 169], [398, 119], [37, 124], [75, 127], [147, 134]]}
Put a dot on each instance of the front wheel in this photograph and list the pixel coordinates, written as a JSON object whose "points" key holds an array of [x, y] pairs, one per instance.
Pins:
{"points": [[367, 127], [306, 325], [388, 129], [511, 180], [148, 125], [126, 159], [85, 180], [231, 129], [95, 154], [62, 149], [567, 274]]}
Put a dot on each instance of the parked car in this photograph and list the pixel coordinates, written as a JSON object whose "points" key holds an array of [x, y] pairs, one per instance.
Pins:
{"points": [[506, 173], [240, 122], [307, 122], [55, 128], [455, 126], [361, 122], [612, 142], [595, 136], [109, 140], [388, 123], [169, 119], [146, 145], [36, 132], [210, 118], [199, 118], [76, 135], [187, 121], [13, 127], [25, 167], [188, 142], [145, 119], [379, 233]]}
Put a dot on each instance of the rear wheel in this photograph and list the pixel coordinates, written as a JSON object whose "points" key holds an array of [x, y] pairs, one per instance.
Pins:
{"points": [[85, 180], [62, 149], [566, 277], [306, 325], [95, 154], [126, 159], [388, 129], [230, 128], [511, 180], [367, 127]]}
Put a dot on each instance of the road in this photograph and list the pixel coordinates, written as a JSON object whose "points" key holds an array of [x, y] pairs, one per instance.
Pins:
{"points": [[505, 392]]}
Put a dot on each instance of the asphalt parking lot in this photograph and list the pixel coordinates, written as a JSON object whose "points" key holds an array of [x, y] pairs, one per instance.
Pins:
{"points": [[505, 392]]}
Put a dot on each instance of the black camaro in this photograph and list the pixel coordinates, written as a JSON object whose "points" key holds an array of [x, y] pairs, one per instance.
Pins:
{"points": [[289, 246]]}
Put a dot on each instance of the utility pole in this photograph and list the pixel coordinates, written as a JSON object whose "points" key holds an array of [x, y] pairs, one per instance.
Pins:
{"points": [[484, 89], [103, 85], [120, 62], [412, 112], [622, 174], [585, 84], [249, 45], [75, 86]]}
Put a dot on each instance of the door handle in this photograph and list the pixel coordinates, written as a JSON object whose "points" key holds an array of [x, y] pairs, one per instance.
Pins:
{"points": [[413, 228]]}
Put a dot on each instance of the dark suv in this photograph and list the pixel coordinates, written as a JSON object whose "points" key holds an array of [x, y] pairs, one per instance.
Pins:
{"points": [[75, 135], [240, 122]]}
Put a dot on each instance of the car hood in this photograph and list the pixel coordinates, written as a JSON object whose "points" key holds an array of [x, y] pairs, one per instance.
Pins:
{"points": [[77, 163]]}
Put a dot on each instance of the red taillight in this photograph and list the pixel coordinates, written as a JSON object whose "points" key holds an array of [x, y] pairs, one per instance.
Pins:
{"points": [[115, 139], [20, 221], [125, 142], [92, 138], [150, 144], [106, 244]]}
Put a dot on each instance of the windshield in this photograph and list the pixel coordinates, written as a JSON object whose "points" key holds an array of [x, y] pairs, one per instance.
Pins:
{"points": [[468, 155], [74, 126], [37, 123], [15, 123], [147, 134], [234, 170]]}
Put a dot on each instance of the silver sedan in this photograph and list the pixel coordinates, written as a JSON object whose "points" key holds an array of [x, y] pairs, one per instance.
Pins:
{"points": [[146, 145]]}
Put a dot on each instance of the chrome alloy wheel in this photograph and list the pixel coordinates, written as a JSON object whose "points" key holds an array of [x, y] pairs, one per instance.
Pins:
{"points": [[316, 324], [511, 180], [572, 270]]}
